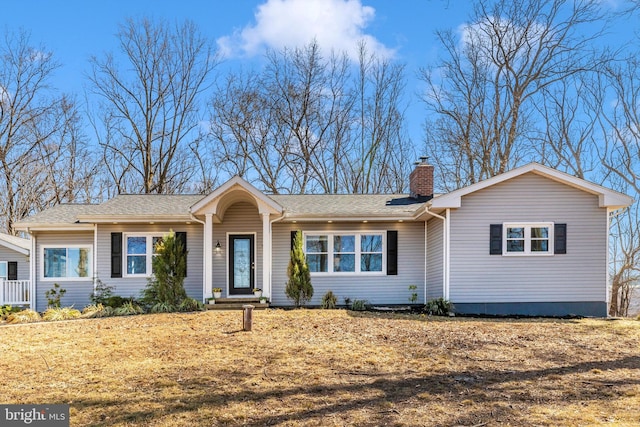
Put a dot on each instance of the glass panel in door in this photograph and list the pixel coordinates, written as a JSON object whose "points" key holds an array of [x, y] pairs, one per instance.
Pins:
{"points": [[241, 263]]}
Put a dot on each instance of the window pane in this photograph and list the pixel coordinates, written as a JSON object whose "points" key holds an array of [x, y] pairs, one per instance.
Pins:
{"points": [[344, 262], [317, 263], [137, 245], [3, 270], [540, 233], [539, 246], [317, 244], [78, 262], [344, 243], [515, 245], [371, 243], [136, 264], [515, 233], [371, 262], [55, 262]]}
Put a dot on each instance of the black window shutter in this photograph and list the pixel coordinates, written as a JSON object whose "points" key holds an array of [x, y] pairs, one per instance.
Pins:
{"points": [[392, 253], [116, 254], [181, 236], [495, 239], [560, 239], [12, 270]]}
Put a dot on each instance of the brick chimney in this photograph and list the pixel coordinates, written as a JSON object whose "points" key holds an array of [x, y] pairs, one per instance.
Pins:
{"points": [[421, 180]]}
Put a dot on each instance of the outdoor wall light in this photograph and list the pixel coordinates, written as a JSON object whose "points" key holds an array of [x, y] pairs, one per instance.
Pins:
{"points": [[218, 247]]}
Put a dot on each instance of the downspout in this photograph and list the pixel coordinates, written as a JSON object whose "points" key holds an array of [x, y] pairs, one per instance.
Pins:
{"points": [[445, 250], [204, 255], [426, 246], [32, 267], [95, 257]]}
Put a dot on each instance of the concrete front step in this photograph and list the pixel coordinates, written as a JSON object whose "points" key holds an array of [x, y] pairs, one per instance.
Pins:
{"points": [[236, 304]]}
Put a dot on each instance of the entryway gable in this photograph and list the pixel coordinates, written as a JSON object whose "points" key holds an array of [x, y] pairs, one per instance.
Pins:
{"points": [[214, 207], [233, 191]]}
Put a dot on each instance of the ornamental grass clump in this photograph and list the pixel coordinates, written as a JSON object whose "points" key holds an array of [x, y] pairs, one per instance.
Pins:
{"points": [[24, 316], [54, 314]]}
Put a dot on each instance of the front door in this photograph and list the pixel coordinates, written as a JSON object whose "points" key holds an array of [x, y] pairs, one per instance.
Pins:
{"points": [[241, 264]]}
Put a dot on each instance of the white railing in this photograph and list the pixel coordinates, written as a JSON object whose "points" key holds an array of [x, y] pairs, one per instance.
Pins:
{"points": [[15, 292]]}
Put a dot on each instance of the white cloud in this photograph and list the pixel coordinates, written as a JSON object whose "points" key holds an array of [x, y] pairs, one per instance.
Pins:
{"points": [[336, 25]]}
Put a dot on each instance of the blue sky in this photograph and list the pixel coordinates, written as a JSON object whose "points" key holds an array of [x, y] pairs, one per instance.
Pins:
{"points": [[74, 30]]}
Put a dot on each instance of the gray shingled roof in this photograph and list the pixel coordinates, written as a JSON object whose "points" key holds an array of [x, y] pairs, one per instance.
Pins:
{"points": [[60, 214], [347, 205], [149, 204], [295, 206]]}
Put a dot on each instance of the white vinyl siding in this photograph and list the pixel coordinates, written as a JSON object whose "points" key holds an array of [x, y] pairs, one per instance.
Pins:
{"points": [[78, 289], [435, 261], [240, 218], [132, 286], [377, 289], [9, 255], [578, 275]]}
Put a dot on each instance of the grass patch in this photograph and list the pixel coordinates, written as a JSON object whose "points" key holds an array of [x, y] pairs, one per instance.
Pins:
{"points": [[326, 367]]}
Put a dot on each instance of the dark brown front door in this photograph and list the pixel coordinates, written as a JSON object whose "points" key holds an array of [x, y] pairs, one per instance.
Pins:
{"points": [[241, 264]]}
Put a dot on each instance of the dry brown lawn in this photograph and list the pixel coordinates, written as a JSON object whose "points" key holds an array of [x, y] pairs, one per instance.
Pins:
{"points": [[326, 367]]}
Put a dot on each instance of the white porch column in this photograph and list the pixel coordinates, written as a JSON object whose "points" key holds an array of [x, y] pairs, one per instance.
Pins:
{"points": [[207, 286], [266, 255]]}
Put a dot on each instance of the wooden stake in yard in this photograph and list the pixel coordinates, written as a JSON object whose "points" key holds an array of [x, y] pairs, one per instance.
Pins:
{"points": [[247, 317]]}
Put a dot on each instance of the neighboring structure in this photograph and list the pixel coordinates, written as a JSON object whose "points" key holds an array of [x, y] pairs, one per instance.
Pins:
{"points": [[15, 284], [532, 241]]}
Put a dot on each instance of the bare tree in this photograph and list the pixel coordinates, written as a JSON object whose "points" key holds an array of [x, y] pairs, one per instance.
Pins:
{"points": [[149, 113], [37, 129], [306, 123], [614, 98], [483, 92]]}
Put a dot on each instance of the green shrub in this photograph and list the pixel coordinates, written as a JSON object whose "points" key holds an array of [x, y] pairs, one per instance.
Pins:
{"points": [[190, 304], [24, 316], [439, 307], [163, 307], [359, 305], [169, 270], [298, 287], [329, 300], [54, 314], [116, 301], [54, 295], [414, 295], [347, 302], [6, 310], [102, 293], [97, 310], [129, 308]]}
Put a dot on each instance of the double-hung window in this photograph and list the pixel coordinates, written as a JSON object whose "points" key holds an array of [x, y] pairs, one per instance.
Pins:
{"points": [[140, 250], [71, 263], [528, 238], [336, 253]]}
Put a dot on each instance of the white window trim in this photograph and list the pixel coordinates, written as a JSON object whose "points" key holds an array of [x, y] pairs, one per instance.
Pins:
{"points": [[6, 270], [149, 254], [358, 252], [527, 238], [66, 279]]}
